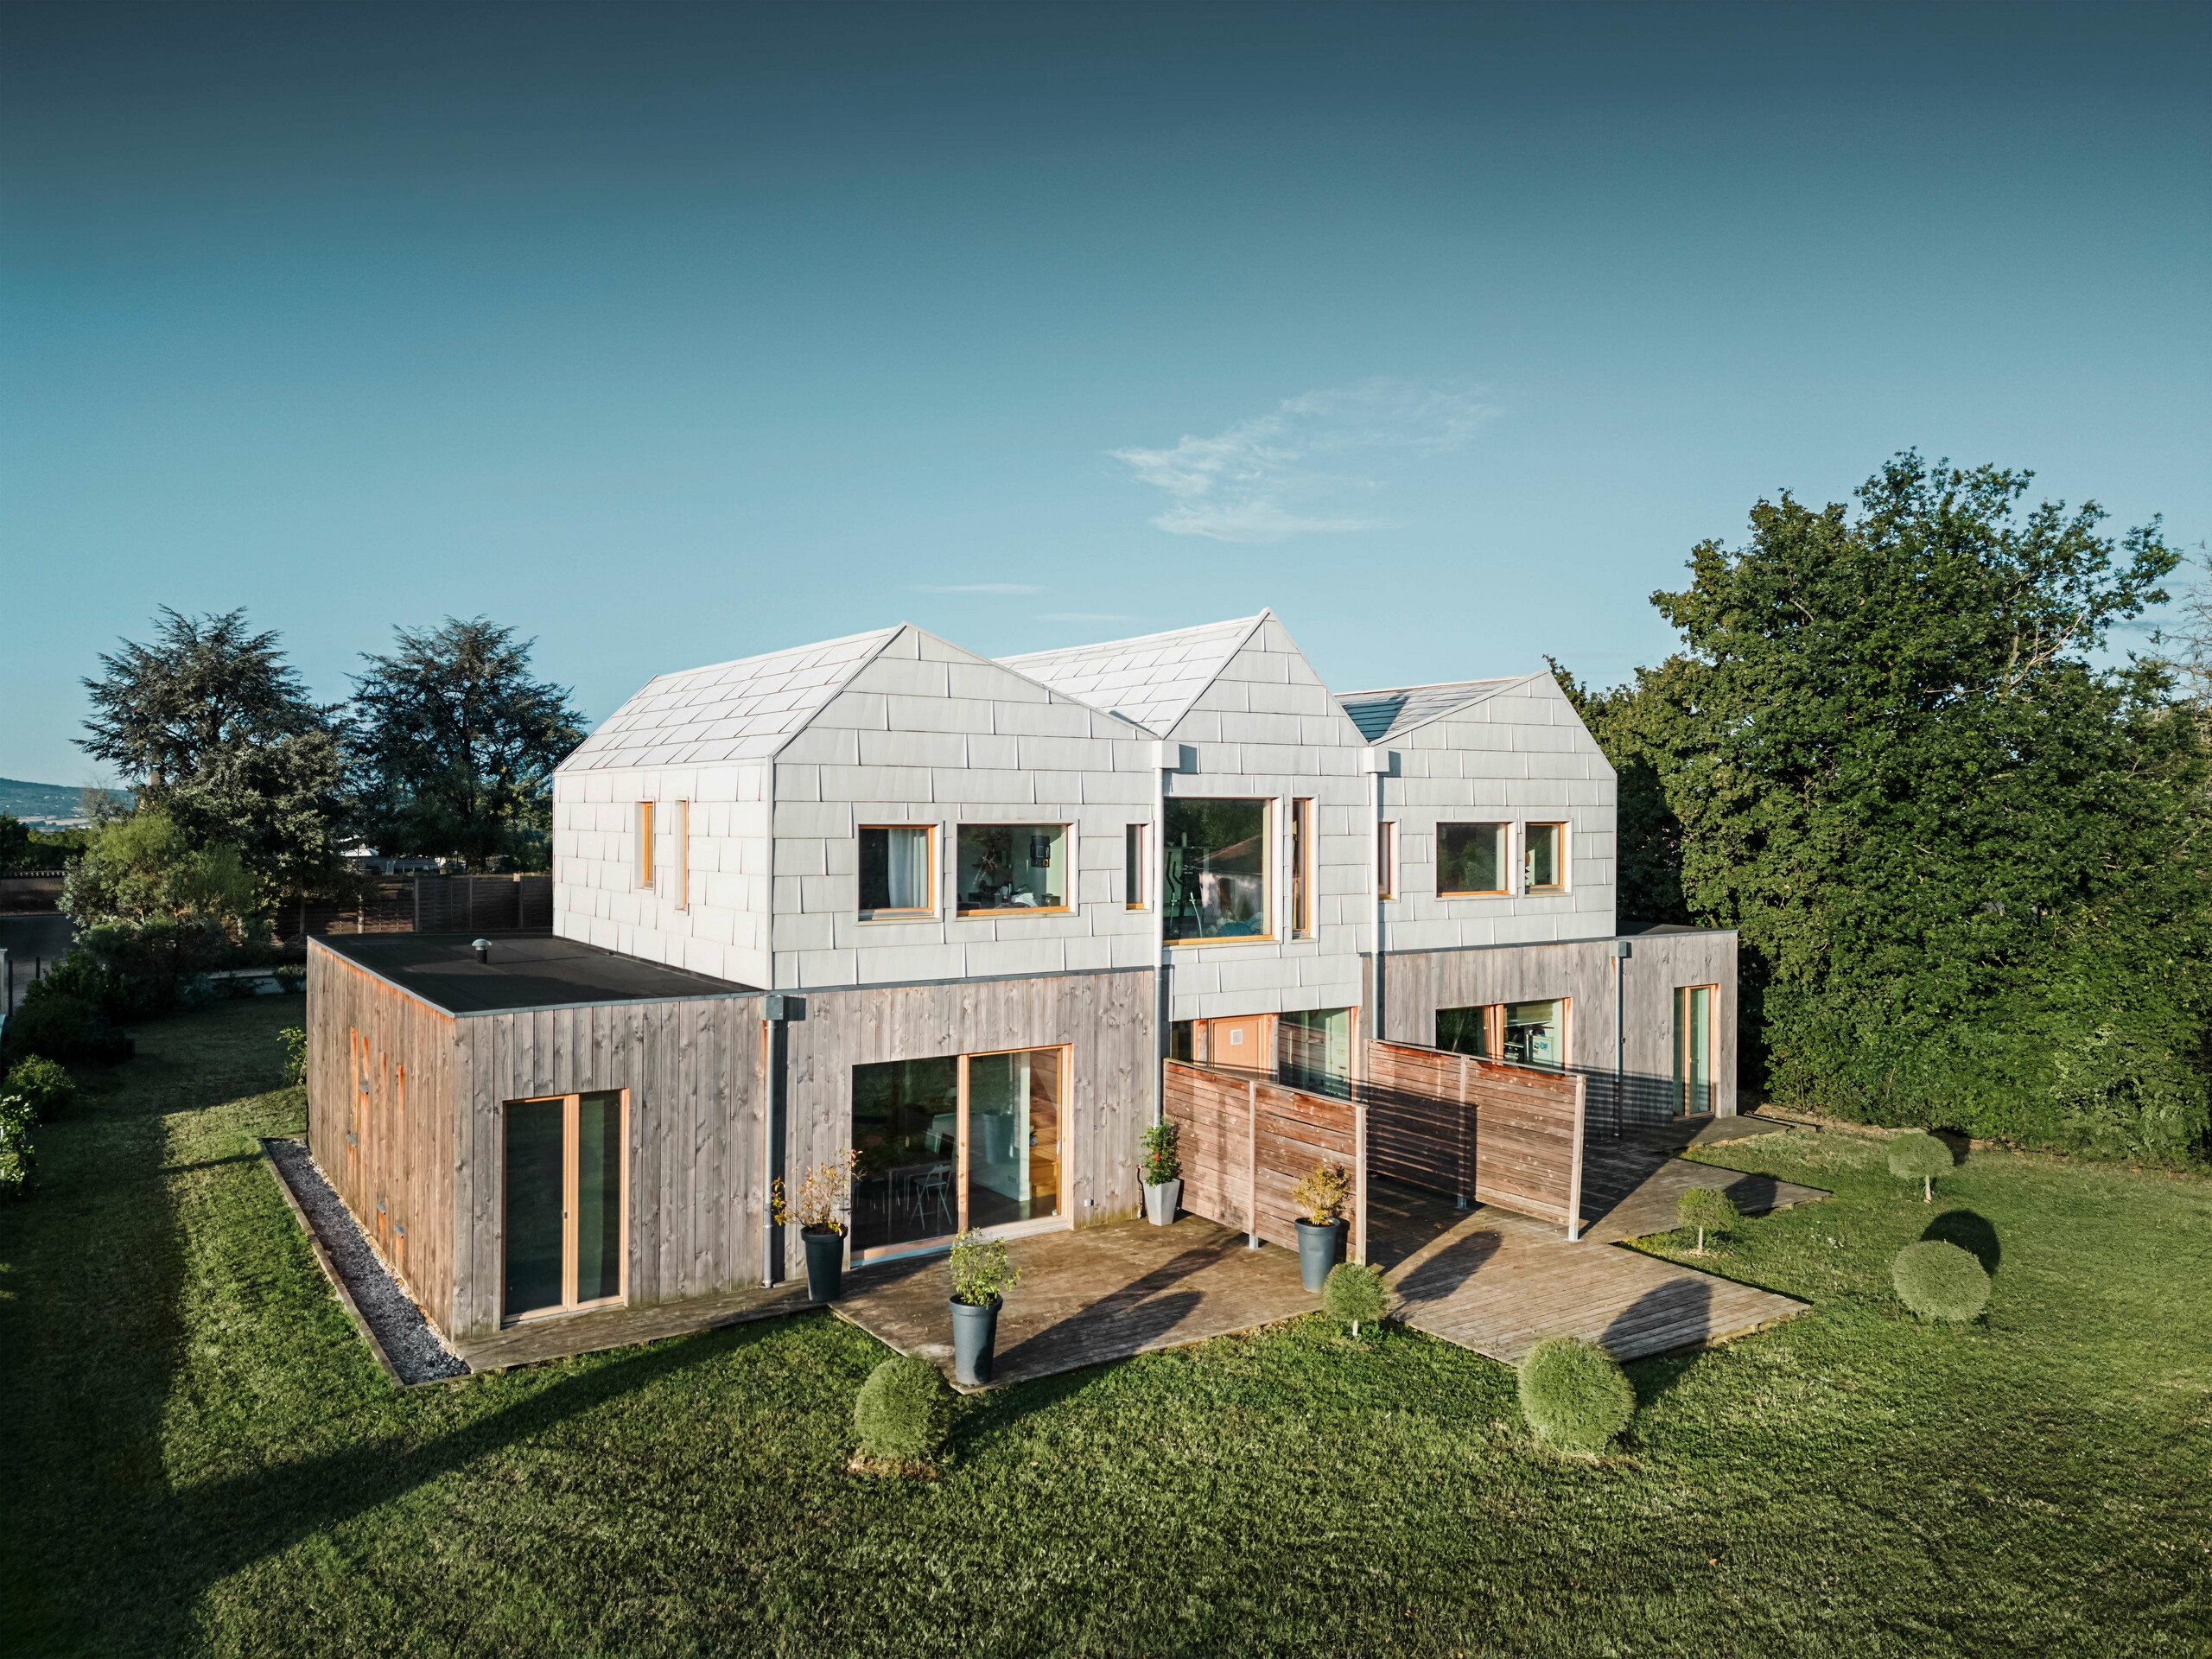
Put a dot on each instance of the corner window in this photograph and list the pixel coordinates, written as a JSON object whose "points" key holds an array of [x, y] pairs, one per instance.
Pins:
{"points": [[1471, 858], [1520, 1034], [1215, 869], [1302, 868], [1013, 866], [1135, 883], [1543, 863], [895, 870]]}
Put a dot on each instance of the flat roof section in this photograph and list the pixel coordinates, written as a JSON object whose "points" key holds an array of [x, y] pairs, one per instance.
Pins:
{"points": [[526, 970]]}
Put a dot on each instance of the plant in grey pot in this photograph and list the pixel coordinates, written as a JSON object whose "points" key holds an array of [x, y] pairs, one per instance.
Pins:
{"points": [[824, 1200], [1323, 1194], [981, 1276], [1160, 1169]]}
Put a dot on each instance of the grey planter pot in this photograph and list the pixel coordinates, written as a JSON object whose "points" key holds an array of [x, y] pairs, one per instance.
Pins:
{"points": [[825, 1265], [1320, 1249], [975, 1337], [1159, 1201]]}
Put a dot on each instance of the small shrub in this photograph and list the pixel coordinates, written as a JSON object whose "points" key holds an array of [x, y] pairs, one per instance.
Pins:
{"points": [[1355, 1293], [45, 1086], [295, 1051], [1162, 1161], [1574, 1394], [980, 1272], [903, 1412], [1938, 1280], [1707, 1209], [18, 1158], [1916, 1155], [1323, 1193], [58, 1027], [824, 1196]]}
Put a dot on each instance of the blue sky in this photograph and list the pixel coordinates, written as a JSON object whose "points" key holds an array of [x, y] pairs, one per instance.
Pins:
{"points": [[671, 335]]}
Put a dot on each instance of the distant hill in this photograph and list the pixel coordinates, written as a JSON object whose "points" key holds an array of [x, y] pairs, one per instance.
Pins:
{"points": [[47, 805]]}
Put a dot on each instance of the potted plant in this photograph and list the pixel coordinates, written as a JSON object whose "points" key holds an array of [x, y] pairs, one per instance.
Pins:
{"points": [[1160, 1169], [981, 1276], [825, 1199], [1322, 1194]]}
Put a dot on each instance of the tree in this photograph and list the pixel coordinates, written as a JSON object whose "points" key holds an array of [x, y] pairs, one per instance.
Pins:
{"points": [[144, 868], [1967, 863], [215, 727], [455, 744]]}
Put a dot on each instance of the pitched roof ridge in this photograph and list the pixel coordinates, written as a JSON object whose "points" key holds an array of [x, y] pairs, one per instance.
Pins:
{"points": [[838, 686], [780, 650], [1149, 638], [1049, 690], [1478, 690]]}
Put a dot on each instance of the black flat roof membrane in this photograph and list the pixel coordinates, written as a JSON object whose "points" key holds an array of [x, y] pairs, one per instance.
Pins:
{"points": [[526, 970]]}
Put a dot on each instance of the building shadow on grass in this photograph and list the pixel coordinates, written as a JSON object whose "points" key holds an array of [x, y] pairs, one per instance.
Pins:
{"points": [[1971, 1233]]}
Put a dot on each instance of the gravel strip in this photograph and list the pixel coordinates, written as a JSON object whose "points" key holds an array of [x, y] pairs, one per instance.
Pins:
{"points": [[409, 1342]]}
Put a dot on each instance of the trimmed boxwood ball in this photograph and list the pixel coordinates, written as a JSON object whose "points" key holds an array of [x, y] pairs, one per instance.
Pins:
{"points": [[1574, 1394], [903, 1412], [1918, 1156], [1355, 1293], [1938, 1280], [45, 1086]]}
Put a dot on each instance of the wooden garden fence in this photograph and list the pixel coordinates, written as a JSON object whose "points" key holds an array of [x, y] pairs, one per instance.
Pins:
{"points": [[1245, 1142]]}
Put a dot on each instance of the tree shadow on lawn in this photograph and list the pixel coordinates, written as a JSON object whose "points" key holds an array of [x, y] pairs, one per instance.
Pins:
{"points": [[1971, 1233]]}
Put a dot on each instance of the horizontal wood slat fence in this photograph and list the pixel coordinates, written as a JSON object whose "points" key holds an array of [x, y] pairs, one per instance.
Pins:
{"points": [[1245, 1141], [1505, 1134], [432, 904]]}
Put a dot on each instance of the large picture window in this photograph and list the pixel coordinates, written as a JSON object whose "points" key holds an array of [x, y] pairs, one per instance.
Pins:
{"points": [[956, 1142], [1013, 866], [1214, 869], [1471, 858], [1520, 1034], [895, 867]]}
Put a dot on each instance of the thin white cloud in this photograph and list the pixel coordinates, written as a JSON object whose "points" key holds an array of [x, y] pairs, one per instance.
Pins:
{"points": [[1284, 473], [977, 588]]}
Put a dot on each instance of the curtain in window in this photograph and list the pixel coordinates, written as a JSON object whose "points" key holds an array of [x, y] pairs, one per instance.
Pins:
{"points": [[908, 871]]}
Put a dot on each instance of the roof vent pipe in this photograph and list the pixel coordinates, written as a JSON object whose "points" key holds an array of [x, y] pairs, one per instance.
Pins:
{"points": [[483, 948]]}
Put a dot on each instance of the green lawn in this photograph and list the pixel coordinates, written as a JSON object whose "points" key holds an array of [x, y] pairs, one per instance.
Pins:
{"points": [[197, 1454]]}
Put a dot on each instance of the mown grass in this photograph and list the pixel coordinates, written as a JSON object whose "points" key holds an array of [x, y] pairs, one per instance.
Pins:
{"points": [[197, 1455]]}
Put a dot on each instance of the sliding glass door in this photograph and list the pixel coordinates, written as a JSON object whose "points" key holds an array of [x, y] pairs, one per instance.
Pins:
{"points": [[956, 1142], [564, 1217]]}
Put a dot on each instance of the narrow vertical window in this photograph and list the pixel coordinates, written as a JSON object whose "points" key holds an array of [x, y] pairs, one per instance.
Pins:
{"points": [[896, 867], [1135, 880], [1386, 860], [1302, 868], [644, 844], [682, 855], [1543, 861], [1693, 1046]]}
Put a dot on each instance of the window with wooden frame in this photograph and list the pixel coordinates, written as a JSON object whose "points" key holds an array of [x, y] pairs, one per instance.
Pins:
{"points": [[645, 831], [1017, 869], [897, 871], [1302, 869], [1520, 1034], [1472, 860], [1544, 858], [565, 1204], [1386, 860], [1215, 869], [1136, 880], [1697, 1044]]}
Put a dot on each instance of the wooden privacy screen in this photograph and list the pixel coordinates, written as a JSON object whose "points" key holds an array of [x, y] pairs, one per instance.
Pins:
{"points": [[1245, 1142], [1509, 1136]]}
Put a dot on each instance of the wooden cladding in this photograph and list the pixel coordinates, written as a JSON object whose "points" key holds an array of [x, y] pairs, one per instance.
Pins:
{"points": [[1498, 1133], [1245, 1143]]}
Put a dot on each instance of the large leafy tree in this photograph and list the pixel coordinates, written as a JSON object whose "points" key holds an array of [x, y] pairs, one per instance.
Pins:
{"points": [[455, 743], [212, 726], [1967, 854]]}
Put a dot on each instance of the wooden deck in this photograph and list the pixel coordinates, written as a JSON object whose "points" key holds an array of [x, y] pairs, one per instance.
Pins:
{"points": [[1101, 1294], [1498, 1283], [537, 1340]]}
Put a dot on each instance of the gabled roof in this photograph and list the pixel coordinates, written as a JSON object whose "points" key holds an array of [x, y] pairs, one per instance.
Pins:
{"points": [[744, 711], [1381, 716], [1152, 679]]}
